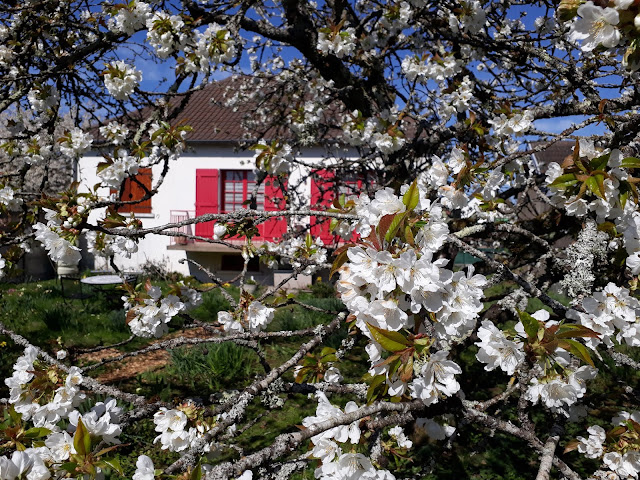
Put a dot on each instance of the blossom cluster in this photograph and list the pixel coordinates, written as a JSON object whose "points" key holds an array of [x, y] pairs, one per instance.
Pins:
{"points": [[105, 245], [129, 17], [43, 97], [610, 25], [171, 426], [42, 396], [305, 254], [61, 231], [166, 33], [383, 133], [214, 46], [560, 387], [49, 399], [115, 171], [75, 142], [422, 69], [24, 464], [8, 198], [273, 158], [254, 319], [149, 314], [114, 132], [613, 313], [338, 42], [102, 421], [337, 465], [605, 202], [619, 448], [121, 79], [60, 249], [402, 287]]}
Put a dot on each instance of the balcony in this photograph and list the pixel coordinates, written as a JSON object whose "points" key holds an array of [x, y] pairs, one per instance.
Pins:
{"points": [[176, 216], [190, 245]]}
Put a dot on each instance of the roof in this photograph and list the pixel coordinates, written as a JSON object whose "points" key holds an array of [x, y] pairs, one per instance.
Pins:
{"points": [[555, 152], [212, 121]]}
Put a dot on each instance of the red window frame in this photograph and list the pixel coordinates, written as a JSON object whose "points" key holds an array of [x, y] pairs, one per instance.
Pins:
{"points": [[237, 186], [212, 197], [131, 191], [323, 191]]}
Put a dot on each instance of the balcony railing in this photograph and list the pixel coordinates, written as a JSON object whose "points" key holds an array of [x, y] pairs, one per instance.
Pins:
{"points": [[179, 216]]}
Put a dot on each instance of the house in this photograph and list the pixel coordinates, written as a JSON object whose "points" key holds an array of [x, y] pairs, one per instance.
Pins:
{"points": [[530, 205], [212, 176]]}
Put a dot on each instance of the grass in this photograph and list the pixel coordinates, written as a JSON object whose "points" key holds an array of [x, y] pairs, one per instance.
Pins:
{"points": [[39, 312]]}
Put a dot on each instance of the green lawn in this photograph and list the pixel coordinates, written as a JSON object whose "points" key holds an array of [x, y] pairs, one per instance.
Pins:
{"points": [[39, 312]]}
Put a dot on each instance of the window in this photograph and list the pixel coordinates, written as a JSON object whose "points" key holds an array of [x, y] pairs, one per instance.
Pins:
{"points": [[235, 263], [222, 191], [352, 184], [324, 189], [132, 190], [237, 187]]}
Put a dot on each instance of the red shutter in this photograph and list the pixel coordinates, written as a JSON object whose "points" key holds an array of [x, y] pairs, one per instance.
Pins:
{"points": [[207, 184], [132, 191], [137, 192], [322, 195], [274, 201]]}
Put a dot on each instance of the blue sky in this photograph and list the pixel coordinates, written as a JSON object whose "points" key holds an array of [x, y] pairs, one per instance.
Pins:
{"points": [[153, 74]]}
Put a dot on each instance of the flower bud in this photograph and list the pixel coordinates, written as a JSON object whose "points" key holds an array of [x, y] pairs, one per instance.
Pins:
{"points": [[636, 22], [568, 9]]}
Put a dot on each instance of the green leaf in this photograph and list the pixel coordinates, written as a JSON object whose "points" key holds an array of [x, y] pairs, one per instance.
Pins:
{"points": [[394, 365], [109, 449], [114, 463], [408, 236], [36, 432], [390, 341], [15, 416], [564, 181], [327, 351], [378, 382], [531, 325], [69, 466], [338, 262], [631, 162], [407, 370], [624, 195], [394, 226], [384, 224], [595, 183], [576, 348], [82, 439], [599, 163], [411, 198], [571, 330], [196, 474], [609, 228]]}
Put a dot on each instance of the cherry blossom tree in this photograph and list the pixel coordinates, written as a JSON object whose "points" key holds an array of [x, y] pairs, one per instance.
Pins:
{"points": [[440, 105]]}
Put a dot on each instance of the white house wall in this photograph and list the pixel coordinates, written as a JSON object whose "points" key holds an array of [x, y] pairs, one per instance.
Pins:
{"points": [[177, 193]]}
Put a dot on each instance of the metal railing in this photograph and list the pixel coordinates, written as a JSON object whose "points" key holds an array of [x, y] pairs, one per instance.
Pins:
{"points": [[179, 216]]}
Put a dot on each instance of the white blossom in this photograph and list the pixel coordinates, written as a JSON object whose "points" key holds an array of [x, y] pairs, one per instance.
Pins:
{"points": [[595, 26], [121, 79]]}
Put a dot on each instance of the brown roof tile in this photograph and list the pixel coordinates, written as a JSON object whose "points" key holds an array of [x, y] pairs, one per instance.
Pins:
{"points": [[556, 152], [211, 120]]}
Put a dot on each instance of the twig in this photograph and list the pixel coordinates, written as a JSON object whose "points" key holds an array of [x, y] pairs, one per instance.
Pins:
{"points": [[548, 452], [236, 406], [89, 382]]}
